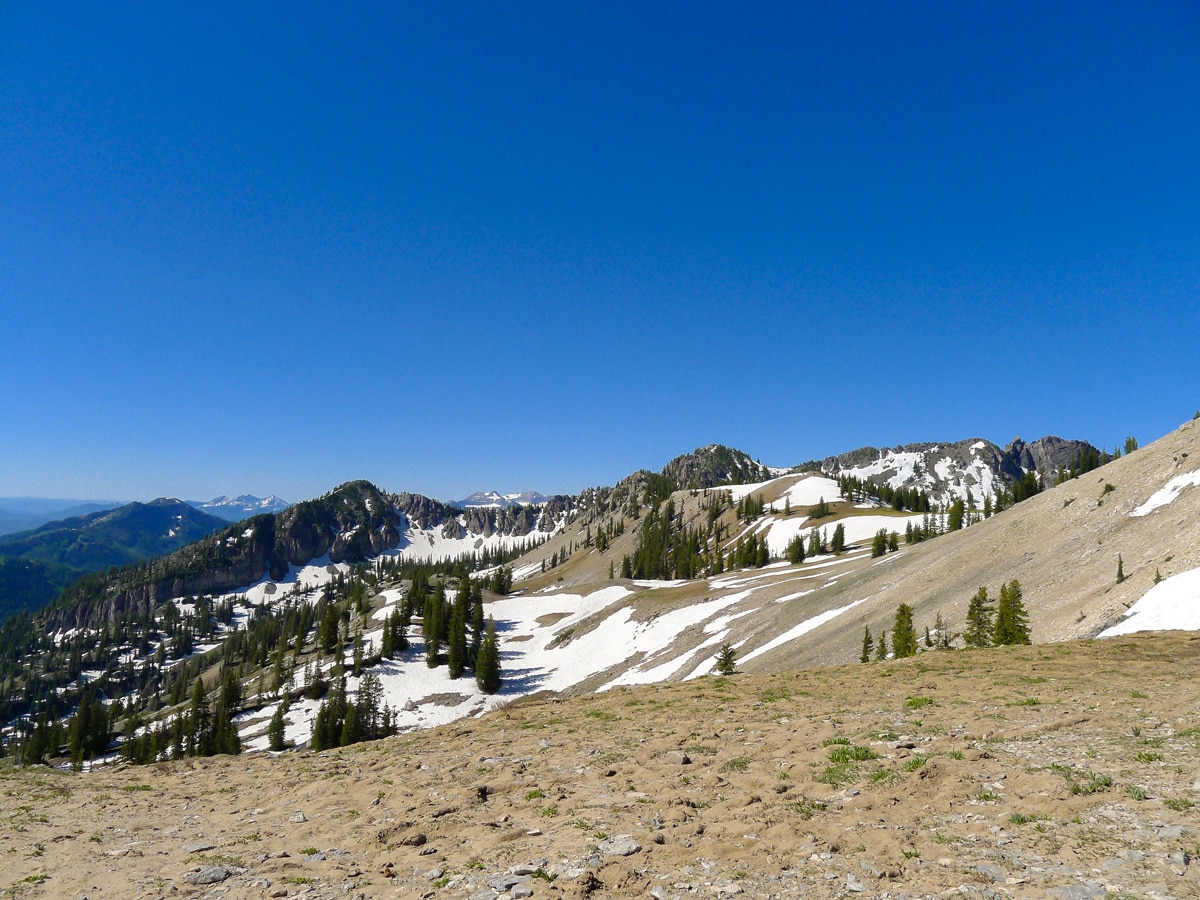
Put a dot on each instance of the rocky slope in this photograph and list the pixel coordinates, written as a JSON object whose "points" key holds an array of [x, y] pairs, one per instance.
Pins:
{"points": [[948, 471]]}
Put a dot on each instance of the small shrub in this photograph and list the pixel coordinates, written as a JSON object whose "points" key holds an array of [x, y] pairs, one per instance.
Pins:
{"points": [[737, 764], [1094, 784], [851, 753], [913, 763], [1137, 792], [918, 702]]}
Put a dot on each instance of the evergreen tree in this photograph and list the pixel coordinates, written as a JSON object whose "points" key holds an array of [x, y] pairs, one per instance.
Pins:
{"points": [[457, 645], [487, 664], [726, 660], [980, 620], [868, 644], [879, 543], [957, 509], [795, 550], [1012, 622], [275, 730], [881, 646], [838, 542], [1120, 569], [477, 624], [816, 544], [904, 637]]}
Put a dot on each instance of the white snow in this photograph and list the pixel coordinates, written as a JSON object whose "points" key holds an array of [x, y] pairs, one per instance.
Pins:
{"points": [[803, 628], [1171, 605], [858, 529], [810, 491], [1168, 493]]}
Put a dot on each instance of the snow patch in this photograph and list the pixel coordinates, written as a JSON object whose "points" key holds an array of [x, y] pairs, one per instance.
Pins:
{"points": [[1168, 493], [1171, 605]]}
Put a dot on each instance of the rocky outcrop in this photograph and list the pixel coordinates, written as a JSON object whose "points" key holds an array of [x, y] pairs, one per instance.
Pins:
{"points": [[713, 465]]}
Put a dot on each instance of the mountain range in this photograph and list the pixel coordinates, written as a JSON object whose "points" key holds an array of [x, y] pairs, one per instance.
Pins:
{"points": [[638, 582], [37, 564]]}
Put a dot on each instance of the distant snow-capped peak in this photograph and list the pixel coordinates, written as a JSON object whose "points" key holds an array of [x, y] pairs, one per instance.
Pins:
{"points": [[240, 507], [494, 499]]}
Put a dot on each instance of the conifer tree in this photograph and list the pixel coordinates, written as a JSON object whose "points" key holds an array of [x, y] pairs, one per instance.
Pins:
{"points": [[881, 646], [727, 660], [1120, 569], [457, 645], [275, 730], [868, 644], [1012, 622], [980, 619], [795, 550], [904, 637], [838, 542], [477, 624], [879, 543], [487, 664]]}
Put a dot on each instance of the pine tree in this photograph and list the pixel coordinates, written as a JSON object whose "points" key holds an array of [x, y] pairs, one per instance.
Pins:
{"points": [[980, 626], [879, 544], [868, 645], [1120, 569], [727, 660], [478, 626], [275, 730], [881, 646], [838, 542], [795, 550], [457, 645], [904, 638], [487, 664], [1012, 622]]}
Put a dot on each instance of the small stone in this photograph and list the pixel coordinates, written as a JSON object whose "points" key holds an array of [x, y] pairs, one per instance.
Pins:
{"points": [[621, 845], [520, 891], [417, 839], [434, 874], [504, 882], [658, 892], [198, 848], [678, 758], [991, 872], [853, 884], [298, 818], [209, 875]]}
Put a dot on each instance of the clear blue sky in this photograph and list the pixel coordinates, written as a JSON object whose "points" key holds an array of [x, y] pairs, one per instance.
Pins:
{"points": [[446, 247]]}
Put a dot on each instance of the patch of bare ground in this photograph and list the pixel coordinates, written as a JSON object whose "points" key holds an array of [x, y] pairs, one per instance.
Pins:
{"points": [[1066, 771]]}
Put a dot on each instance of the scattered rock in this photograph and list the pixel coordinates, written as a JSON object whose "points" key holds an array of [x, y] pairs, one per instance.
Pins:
{"points": [[199, 848], [621, 845], [298, 819], [209, 875], [678, 758]]}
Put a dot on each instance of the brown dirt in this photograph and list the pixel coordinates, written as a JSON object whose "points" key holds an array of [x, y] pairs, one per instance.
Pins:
{"points": [[968, 793]]}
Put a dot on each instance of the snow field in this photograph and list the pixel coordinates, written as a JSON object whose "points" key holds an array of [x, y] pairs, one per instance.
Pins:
{"points": [[1171, 605], [1168, 493]]}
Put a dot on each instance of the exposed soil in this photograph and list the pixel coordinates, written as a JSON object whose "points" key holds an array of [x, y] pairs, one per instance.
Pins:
{"points": [[1064, 770]]}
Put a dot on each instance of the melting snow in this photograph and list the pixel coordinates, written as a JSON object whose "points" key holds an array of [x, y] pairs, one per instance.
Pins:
{"points": [[1168, 493], [803, 628], [1171, 605]]}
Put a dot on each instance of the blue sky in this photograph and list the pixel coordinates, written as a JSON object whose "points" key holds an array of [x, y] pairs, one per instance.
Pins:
{"points": [[269, 248]]}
